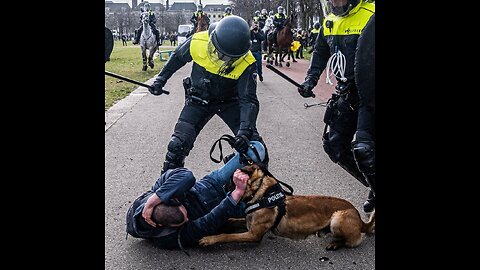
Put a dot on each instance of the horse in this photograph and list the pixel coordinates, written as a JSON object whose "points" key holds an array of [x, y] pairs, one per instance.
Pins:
{"points": [[202, 24], [282, 44], [148, 41]]}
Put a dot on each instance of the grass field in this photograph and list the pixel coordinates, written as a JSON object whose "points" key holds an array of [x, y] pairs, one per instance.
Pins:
{"points": [[127, 62]]}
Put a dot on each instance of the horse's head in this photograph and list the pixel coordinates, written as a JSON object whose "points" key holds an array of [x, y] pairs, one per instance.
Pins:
{"points": [[289, 21]]}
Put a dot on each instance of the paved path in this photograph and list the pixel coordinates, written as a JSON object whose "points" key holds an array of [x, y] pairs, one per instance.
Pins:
{"points": [[137, 131]]}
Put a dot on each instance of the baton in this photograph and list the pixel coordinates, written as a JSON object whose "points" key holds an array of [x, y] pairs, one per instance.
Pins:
{"points": [[133, 81], [283, 75], [324, 104]]}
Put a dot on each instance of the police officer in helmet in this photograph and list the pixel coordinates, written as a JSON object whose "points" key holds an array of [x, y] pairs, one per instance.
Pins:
{"points": [[349, 136], [147, 10], [221, 83], [199, 15], [228, 12], [279, 20]]}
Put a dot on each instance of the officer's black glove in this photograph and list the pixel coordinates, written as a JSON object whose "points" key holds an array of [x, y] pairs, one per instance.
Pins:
{"points": [[157, 86], [241, 144], [306, 89]]}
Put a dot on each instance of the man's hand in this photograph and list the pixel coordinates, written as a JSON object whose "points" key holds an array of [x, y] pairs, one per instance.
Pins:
{"points": [[306, 90], [157, 87], [153, 201], [241, 144], [240, 180]]}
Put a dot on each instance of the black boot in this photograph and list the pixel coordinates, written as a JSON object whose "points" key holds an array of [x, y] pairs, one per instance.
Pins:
{"points": [[369, 205], [137, 37]]}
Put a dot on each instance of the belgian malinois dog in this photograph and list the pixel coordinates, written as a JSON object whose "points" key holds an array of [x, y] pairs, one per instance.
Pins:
{"points": [[303, 216]]}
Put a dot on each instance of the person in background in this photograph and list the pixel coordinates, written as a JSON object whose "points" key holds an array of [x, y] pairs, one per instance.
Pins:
{"points": [[257, 36], [152, 20], [228, 12], [313, 35], [198, 16]]}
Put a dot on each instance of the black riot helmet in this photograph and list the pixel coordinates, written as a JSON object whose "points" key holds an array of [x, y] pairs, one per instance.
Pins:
{"points": [[231, 36], [341, 11], [228, 10], [317, 25]]}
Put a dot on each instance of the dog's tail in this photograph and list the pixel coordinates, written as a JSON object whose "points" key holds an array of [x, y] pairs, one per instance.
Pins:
{"points": [[369, 227]]}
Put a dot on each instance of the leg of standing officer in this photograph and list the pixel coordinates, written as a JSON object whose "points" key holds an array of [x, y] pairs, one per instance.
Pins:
{"points": [[191, 121]]}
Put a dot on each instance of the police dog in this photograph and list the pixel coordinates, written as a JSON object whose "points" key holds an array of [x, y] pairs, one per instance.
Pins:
{"points": [[304, 216]]}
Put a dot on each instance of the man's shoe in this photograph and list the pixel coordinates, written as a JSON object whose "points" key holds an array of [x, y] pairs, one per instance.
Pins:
{"points": [[369, 205], [135, 42], [260, 77]]}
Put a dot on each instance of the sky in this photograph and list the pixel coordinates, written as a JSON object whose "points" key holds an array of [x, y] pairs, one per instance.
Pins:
{"points": [[172, 1]]}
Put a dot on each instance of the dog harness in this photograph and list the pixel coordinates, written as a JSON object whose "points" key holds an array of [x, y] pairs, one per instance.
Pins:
{"points": [[274, 197]]}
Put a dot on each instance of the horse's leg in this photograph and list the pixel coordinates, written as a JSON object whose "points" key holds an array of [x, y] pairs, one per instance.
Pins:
{"points": [[278, 57], [144, 58], [289, 53], [150, 57], [270, 51]]}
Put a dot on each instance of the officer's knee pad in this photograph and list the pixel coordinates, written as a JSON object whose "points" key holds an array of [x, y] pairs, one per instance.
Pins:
{"points": [[176, 145], [185, 135], [364, 154]]}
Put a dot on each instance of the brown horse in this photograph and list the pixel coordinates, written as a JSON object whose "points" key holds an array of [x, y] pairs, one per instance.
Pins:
{"points": [[202, 24], [281, 46]]}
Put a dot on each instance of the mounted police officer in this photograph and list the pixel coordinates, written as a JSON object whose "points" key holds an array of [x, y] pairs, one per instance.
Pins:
{"points": [[228, 12], [222, 83], [147, 9], [349, 146], [262, 18], [199, 15], [279, 21]]}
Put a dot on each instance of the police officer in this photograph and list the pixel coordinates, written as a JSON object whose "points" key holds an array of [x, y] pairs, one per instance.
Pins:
{"points": [[313, 35], [199, 15], [256, 16], [262, 18], [221, 83], [334, 52], [152, 21], [228, 12], [278, 20]]}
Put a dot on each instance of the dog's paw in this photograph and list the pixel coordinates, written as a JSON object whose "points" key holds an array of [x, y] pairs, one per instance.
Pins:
{"points": [[206, 241], [334, 245]]}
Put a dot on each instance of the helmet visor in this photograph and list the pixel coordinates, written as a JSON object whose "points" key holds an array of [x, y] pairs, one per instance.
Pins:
{"points": [[339, 7], [221, 60]]}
